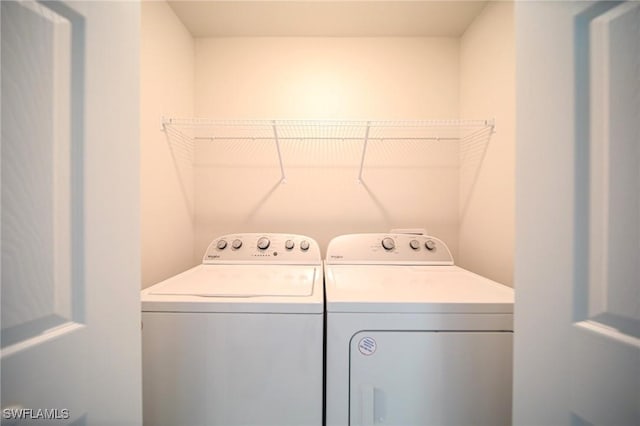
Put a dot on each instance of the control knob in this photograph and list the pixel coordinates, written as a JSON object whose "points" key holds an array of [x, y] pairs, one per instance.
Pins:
{"points": [[304, 245], [289, 244], [263, 243], [430, 245], [236, 244], [222, 244], [388, 243], [414, 244]]}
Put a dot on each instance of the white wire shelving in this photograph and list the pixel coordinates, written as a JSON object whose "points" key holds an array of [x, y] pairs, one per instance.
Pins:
{"points": [[202, 129]]}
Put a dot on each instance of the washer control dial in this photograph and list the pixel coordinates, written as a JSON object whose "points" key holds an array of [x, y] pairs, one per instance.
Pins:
{"points": [[388, 243], [430, 245], [236, 244], [289, 244], [222, 244], [263, 243], [304, 245], [414, 244]]}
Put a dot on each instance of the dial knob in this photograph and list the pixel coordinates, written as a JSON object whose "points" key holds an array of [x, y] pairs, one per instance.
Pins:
{"points": [[388, 243], [414, 244], [430, 245], [304, 245], [236, 244], [263, 243], [289, 244], [222, 244]]}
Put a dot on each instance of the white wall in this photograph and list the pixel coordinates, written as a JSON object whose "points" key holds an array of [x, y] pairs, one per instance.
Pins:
{"points": [[326, 78], [487, 89], [167, 199]]}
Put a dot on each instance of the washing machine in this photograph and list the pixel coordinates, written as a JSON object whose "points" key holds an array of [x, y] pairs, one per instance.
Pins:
{"points": [[413, 339], [238, 339]]}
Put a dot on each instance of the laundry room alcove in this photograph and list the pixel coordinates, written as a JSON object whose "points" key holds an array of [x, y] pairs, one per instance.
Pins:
{"points": [[371, 116]]}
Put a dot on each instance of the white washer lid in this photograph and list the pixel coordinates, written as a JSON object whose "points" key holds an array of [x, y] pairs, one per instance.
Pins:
{"points": [[413, 289], [277, 289], [239, 281]]}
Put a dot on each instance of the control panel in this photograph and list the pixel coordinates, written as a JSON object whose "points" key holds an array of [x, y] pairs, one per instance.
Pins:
{"points": [[263, 248], [388, 249]]}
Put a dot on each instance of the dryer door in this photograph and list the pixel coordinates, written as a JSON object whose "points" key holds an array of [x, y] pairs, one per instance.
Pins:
{"points": [[430, 378]]}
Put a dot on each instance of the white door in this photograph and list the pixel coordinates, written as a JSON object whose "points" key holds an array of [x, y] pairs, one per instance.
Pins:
{"points": [[577, 321], [70, 223]]}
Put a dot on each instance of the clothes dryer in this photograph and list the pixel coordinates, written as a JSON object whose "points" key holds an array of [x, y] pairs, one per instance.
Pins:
{"points": [[413, 339], [237, 340]]}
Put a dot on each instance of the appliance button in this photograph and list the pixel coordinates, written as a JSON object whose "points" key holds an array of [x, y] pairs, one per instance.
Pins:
{"points": [[263, 243], [388, 243]]}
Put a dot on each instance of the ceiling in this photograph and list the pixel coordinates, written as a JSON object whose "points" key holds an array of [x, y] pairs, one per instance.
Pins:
{"points": [[322, 18]]}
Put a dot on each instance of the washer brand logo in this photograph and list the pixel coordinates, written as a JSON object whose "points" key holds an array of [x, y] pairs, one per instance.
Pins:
{"points": [[213, 256], [336, 256]]}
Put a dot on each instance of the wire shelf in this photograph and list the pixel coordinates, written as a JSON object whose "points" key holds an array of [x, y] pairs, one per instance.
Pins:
{"points": [[203, 129]]}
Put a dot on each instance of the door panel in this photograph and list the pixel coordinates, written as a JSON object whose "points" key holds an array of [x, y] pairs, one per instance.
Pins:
{"points": [[39, 289], [41, 295], [605, 372], [615, 165], [430, 378], [70, 347]]}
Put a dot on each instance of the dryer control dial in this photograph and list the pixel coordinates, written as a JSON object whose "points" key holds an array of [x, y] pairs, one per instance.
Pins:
{"points": [[263, 243], [388, 243], [236, 244], [304, 245], [414, 244], [430, 245], [222, 244], [289, 244]]}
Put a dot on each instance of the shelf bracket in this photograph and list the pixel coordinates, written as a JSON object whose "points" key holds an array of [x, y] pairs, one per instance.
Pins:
{"points": [[283, 178], [364, 151], [491, 123], [163, 123]]}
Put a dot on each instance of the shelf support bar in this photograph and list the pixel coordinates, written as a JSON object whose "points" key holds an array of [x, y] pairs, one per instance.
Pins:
{"points": [[283, 178], [364, 151], [164, 121]]}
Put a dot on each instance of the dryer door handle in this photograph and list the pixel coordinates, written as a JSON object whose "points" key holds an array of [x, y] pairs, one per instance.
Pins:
{"points": [[373, 407]]}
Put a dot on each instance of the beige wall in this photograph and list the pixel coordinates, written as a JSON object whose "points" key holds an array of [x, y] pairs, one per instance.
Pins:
{"points": [[166, 80], [406, 185], [327, 78], [487, 89], [192, 193]]}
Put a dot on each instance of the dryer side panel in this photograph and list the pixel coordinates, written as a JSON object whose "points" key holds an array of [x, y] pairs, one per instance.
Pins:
{"points": [[430, 378]]}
